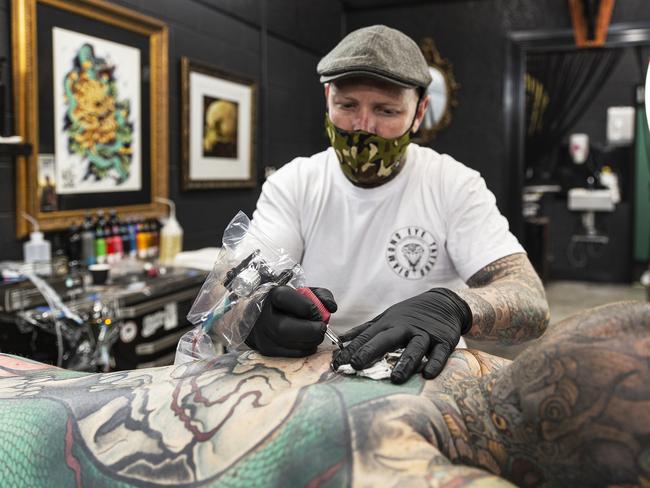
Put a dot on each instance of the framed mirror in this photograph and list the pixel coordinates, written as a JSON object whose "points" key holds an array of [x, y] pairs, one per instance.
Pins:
{"points": [[442, 93]]}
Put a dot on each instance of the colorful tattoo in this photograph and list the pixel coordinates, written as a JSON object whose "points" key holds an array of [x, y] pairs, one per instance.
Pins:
{"points": [[573, 410]]}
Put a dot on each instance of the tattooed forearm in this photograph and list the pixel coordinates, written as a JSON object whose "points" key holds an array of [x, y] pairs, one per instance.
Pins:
{"points": [[507, 301]]}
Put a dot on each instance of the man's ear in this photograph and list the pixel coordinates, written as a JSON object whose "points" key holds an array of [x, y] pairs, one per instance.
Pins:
{"points": [[421, 110], [327, 88]]}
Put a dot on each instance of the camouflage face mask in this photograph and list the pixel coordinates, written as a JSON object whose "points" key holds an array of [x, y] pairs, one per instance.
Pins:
{"points": [[367, 159]]}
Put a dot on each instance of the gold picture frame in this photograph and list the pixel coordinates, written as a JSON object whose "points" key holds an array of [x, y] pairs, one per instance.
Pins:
{"points": [[443, 88], [111, 24], [218, 121]]}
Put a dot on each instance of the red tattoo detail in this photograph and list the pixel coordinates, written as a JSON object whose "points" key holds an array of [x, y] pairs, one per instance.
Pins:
{"points": [[326, 476], [10, 365], [70, 460], [187, 419]]}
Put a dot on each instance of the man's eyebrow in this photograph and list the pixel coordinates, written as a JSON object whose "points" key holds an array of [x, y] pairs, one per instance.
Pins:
{"points": [[389, 104], [346, 97]]}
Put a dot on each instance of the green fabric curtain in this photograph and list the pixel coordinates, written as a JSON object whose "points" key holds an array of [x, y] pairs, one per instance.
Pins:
{"points": [[642, 193]]}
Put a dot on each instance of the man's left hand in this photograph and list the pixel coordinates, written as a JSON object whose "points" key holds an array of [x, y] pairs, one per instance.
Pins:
{"points": [[430, 323]]}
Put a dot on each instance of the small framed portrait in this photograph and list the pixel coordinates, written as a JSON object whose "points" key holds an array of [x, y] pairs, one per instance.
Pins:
{"points": [[218, 128], [90, 88]]}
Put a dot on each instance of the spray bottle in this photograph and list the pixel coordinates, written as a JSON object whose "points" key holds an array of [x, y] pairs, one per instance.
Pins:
{"points": [[171, 235], [88, 242], [37, 250]]}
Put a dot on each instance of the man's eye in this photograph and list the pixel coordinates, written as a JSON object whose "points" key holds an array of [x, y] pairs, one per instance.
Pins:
{"points": [[346, 106], [387, 111]]}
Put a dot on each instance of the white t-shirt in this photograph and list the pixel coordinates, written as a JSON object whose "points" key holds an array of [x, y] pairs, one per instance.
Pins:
{"points": [[434, 225]]}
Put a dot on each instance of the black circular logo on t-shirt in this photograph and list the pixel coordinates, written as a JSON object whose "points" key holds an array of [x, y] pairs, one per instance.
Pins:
{"points": [[412, 252]]}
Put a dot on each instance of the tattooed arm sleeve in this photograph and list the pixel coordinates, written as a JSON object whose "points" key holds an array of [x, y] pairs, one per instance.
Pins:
{"points": [[507, 301]]}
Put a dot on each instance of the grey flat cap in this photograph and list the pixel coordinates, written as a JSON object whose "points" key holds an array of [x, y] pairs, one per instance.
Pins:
{"points": [[380, 52]]}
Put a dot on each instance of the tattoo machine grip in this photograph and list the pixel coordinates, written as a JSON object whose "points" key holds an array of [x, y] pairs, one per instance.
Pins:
{"points": [[324, 313]]}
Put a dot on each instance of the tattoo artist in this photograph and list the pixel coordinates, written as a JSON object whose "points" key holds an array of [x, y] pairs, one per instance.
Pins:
{"points": [[393, 230]]}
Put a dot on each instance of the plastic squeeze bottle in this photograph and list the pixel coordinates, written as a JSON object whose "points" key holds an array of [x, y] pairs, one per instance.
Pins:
{"points": [[37, 250], [171, 235]]}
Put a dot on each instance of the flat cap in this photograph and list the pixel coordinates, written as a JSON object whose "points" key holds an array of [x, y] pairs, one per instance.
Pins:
{"points": [[379, 52]]}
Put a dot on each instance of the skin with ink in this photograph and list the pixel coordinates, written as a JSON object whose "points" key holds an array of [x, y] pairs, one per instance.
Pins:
{"points": [[573, 410], [507, 301]]}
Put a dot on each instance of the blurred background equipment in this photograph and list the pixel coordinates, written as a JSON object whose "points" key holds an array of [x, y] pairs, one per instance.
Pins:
{"points": [[133, 321]]}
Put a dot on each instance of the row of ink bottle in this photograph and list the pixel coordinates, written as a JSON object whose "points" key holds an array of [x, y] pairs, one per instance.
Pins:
{"points": [[109, 240]]}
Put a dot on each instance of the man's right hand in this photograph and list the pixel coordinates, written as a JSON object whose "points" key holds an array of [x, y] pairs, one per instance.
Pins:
{"points": [[290, 324]]}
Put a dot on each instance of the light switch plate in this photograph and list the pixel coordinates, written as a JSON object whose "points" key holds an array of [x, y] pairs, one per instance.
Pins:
{"points": [[620, 125]]}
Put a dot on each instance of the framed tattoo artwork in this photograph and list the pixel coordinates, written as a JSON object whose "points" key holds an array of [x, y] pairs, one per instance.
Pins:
{"points": [[218, 127], [90, 91]]}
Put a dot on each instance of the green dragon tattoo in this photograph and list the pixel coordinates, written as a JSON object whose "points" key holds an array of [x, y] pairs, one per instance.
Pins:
{"points": [[573, 410]]}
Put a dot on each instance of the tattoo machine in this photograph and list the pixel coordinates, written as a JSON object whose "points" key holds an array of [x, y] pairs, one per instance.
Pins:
{"points": [[244, 278], [242, 281], [231, 297]]}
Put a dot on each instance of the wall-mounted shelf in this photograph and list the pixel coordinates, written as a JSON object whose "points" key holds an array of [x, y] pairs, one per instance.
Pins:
{"points": [[15, 149]]}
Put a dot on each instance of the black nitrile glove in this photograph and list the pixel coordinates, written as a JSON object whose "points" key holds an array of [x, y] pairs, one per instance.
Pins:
{"points": [[290, 324], [430, 323]]}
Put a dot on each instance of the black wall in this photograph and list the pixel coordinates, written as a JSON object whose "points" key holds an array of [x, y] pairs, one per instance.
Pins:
{"points": [[472, 34], [619, 90], [8, 246], [611, 262], [278, 43]]}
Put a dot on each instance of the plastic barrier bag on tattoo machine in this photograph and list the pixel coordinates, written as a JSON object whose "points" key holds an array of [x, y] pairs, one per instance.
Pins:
{"points": [[230, 300]]}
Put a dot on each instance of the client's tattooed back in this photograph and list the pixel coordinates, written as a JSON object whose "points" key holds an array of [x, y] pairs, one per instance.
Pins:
{"points": [[572, 410]]}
